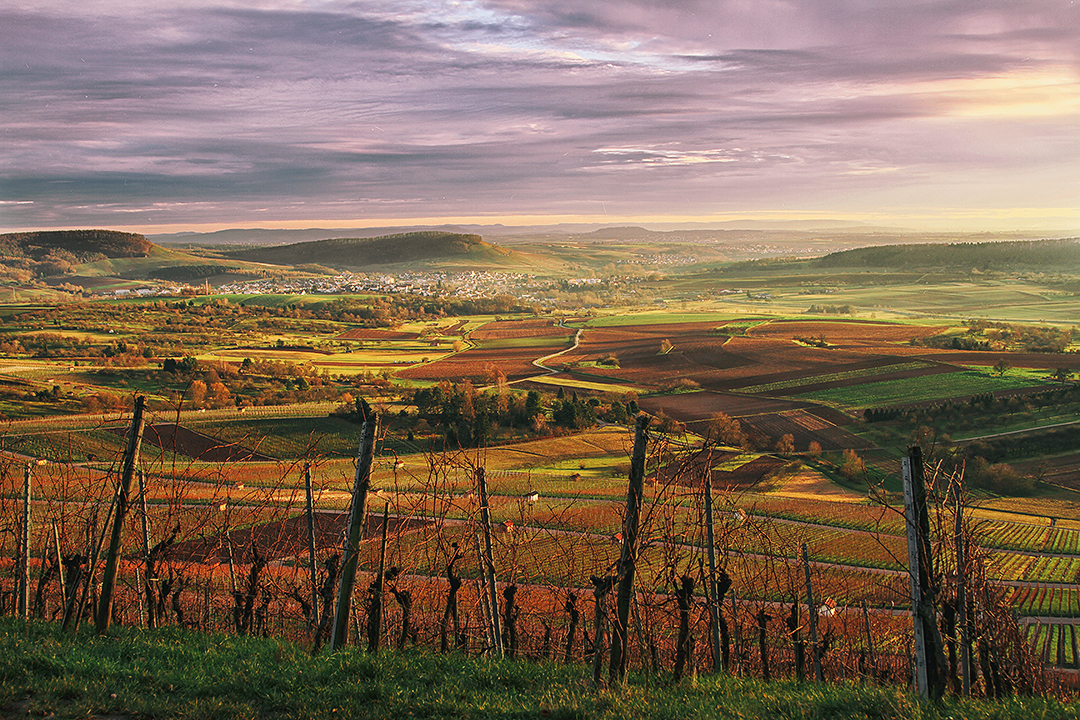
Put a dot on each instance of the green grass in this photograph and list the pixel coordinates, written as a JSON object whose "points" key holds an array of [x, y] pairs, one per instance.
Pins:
{"points": [[830, 377], [917, 389], [175, 673]]}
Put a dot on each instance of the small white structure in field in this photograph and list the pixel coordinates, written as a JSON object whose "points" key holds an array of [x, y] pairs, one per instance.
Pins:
{"points": [[532, 496]]}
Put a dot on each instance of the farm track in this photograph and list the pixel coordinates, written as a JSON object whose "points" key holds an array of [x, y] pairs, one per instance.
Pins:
{"points": [[1021, 431]]}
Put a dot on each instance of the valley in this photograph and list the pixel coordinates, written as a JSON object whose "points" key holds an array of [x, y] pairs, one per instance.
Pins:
{"points": [[803, 382]]}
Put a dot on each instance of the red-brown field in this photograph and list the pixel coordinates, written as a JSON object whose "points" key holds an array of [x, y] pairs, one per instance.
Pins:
{"points": [[766, 420], [283, 538], [748, 474], [454, 329], [512, 329], [696, 406], [1061, 470], [885, 374], [183, 441], [805, 427], [775, 360], [375, 334], [480, 364], [845, 333], [696, 351]]}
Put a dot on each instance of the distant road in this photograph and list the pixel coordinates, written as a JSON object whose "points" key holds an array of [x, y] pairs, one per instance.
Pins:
{"points": [[1018, 432]]}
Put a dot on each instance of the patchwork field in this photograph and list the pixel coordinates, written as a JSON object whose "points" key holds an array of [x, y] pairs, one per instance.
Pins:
{"points": [[813, 470]]}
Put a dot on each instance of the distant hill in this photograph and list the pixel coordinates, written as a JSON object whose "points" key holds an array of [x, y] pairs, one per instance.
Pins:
{"points": [[80, 243], [1062, 254], [410, 247], [280, 236]]}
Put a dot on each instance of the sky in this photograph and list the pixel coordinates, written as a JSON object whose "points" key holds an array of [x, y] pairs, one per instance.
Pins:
{"points": [[189, 115]]}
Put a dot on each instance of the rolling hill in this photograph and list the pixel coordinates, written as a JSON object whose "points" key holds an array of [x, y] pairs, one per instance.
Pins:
{"points": [[1053, 255], [82, 244], [412, 247]]}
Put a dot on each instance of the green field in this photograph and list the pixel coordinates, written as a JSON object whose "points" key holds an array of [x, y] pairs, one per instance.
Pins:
{"points": [[539, 342], [917, 389], [844, 375]]}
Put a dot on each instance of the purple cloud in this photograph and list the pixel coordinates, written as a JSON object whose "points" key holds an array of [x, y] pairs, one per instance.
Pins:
{"points": [[217, 113]]}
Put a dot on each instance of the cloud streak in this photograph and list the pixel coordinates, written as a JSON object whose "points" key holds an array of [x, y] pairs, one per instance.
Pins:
{"points": [[233, 113]]}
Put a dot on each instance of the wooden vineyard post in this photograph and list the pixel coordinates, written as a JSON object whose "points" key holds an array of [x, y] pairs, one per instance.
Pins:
{"points": [[736, 632], [929, 650], [148, 561], [483, 597], [375, 612], [77, 597], [762, 623], [313, 568], [715, 599], [869, 636], [797, 644], [23, 596], [601, 589], [350, 556], [684, 646], [815, 648], [60, 565], [961, 594], [620, 634], [489, 562], [912, 524], [112, 557]]}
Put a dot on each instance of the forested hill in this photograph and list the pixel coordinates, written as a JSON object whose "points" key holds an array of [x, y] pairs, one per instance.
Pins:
{"points": [[1063, 255], [385, 250], [83, 244]]}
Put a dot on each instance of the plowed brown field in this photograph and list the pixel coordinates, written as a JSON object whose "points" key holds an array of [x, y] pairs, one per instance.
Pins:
{"points": [[511, 329], [282, 538], [765, 419], [1038, 361], [477, 364], [929, 369], [179, 439], [845, 332], [375, 334]]}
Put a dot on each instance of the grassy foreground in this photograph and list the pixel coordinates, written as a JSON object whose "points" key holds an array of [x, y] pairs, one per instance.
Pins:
{"points": [[174, 673]]}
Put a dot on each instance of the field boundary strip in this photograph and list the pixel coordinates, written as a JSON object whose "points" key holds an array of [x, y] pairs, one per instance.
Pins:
{"points": [[830, 377]]}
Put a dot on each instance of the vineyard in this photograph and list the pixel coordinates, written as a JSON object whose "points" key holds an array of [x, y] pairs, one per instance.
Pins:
{"points": [[768, 557], [225, 545]]}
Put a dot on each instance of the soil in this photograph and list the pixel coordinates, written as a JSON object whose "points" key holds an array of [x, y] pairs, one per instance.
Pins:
{"points": [[183, 441], [845, 332], [510, 329], [375, 334], [697, 406], [757, 470], [479, 364], [283, 538], [935, 369], [1062, 470]]}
